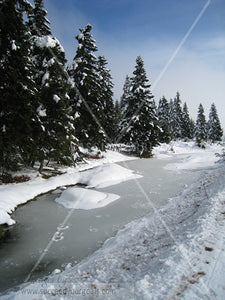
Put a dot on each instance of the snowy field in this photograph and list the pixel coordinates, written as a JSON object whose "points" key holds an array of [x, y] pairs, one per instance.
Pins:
{"points": [[175, 252]]}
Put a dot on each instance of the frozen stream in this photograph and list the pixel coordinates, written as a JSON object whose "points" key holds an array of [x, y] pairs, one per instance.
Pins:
{"points": [[86, 230]]}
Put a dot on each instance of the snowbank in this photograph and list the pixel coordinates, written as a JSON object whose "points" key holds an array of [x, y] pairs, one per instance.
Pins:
{"points": [[107, 175], [193, 156], [79, 198], [103, 173], [180, 147]]}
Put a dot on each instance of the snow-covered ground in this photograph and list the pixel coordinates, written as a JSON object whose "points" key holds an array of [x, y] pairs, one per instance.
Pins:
{"points": [[175, 252], [79, 198]]}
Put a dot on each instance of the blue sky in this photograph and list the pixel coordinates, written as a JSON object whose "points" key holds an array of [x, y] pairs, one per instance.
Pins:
{"points": [[124, 29]]}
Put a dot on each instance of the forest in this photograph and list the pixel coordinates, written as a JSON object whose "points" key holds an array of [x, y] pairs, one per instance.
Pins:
{"points": [[51, 111]]}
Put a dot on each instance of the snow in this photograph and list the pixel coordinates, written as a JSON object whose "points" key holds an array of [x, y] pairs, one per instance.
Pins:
{"points": [[107, 175], [193, 155], [45, 78], [56, 98], [5, 218], [3, 128], [41, 112], [80, 36], [67, 96], [103, 173], [47, 42], [79, 198], [76, 115], [51, 62], [14, 47], [175, 252]]}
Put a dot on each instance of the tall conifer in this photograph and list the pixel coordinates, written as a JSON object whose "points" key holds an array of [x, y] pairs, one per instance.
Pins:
{"points": [[16, 85], [163, 114], [107, 119], [200, 131], [87, 103], [178, 117], [215, 131], [140, 124], [54, 130], [187, 130]]}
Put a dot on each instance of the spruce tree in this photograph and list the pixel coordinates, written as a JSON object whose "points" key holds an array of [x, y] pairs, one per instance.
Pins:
{"points": [[141, 123], [215, 131], [16, 85], [163, 114], [200, 131], [192, 126], [172, 118], [38, 23], [124, 100], [54, 131], [126, 112], [107, 119], [187, 130], [177, 117], [86, 96], [118, 117]]}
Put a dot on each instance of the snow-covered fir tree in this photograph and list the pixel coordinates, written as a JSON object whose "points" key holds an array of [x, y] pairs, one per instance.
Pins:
{"points": [[140, 124], [172, 118], [214, 129], [177, 117], [163, 114], [187, 124], [16, 85], [38, 23], [107, 119], [200, 128], [86, 97], [192, 126], [124, 100], [125, 111], [54, 129], [118, 117]]}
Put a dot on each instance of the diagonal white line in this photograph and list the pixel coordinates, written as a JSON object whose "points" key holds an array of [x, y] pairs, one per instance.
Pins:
{"points": [[52, 240], [180, 45], [181, 250], [168, 63]]}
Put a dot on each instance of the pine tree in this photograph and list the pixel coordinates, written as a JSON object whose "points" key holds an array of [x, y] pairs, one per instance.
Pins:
{"points": [[118, 117], [54, 131], [187, 130], [171, 118], [141, 123], [215, 131], [38, 23], [86, 96], [126, 112], [124, 101], [178, 117], [16, 86], [165, 135], [107, 119], [200, 132], [192, 126]]}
